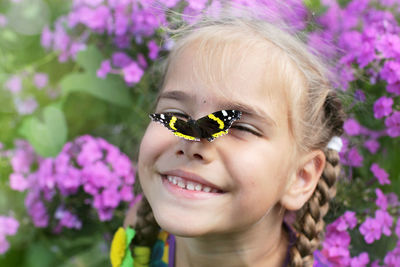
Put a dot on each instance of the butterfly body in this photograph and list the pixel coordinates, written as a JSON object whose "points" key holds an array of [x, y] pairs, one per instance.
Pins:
{"points": [[208, 127]]}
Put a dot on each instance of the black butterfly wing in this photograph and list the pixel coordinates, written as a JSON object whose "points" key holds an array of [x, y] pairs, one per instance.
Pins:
{"points": [[178, 126], [217, 124]]}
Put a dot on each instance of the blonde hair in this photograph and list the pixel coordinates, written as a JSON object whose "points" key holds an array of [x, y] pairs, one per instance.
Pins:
{"points": [[309, 94]]}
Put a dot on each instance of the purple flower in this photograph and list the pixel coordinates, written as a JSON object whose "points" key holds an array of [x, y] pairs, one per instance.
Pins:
{"points": [[371, 230], [8, 226], [383, 107], [393, 88], [46, 39], [197, 4], [393, 124], [169, 3], [25, 106], [350, 218], [14, 84], [380, 174], [385, 220], [372, 145], [132, 73], [397, 229], [110, 197], [392, 258], [390, 71], [153, 49], [354, 158], [104, 69], [95, 19], [121, 23], [381, 200], [389, 45], [352, 127], [121, 59], [360, 261], [366, 54], [18, 182], [3, 21], [40, 80], [4, 245]]}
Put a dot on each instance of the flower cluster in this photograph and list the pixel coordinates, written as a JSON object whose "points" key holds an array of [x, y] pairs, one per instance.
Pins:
{"points": [[25, 102], [8, 226], [132, 26], [88, 171]]}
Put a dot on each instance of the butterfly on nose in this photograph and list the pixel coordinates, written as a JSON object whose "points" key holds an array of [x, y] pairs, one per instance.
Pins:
{"points": [[208, 127]]}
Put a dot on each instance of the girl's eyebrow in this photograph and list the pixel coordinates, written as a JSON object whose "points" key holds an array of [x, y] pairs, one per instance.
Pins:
{"points": [[244, 108]]}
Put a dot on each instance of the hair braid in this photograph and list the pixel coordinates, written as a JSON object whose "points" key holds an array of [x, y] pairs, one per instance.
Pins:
{"points": [[309, 223], [146, 226]]}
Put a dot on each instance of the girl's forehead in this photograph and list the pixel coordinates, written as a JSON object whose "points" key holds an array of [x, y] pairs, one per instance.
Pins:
{"points": [[227, 70]]}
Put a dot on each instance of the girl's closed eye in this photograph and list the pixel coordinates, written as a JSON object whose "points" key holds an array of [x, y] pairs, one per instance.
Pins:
{"points": [[246, 128], [177, 113]]}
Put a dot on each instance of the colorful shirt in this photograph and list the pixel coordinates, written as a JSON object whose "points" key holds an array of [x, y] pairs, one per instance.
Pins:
{"points": [[163, 252]]}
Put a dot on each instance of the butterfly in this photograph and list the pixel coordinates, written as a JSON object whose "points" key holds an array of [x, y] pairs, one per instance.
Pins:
{"points": [[210, 127]]}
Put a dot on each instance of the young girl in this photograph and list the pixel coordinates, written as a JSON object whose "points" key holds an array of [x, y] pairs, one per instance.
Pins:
{"points": [[224, 203]]}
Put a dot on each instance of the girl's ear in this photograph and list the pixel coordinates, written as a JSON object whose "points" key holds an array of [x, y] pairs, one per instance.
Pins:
{"points": [[302, 183]]}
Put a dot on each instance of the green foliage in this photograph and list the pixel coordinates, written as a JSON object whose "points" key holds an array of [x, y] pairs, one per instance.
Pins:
{"points": [[48, 135], [112, 89]]}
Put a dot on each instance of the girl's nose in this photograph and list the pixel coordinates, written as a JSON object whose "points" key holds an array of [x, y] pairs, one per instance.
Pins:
{"points": [[201, 150]]}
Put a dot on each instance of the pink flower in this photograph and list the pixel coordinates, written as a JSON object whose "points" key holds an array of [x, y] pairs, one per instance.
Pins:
{"points": [[372, 145], [383, 107], [385, 220], [40, 80], [18, 182], [352, 127], [3, 21], [4, 245], [153, 49], [104, 69], [371, 230], [380, 174], [360, 261], [121, 60], [390, 71], [8, 226], [393, 124], [132, 73], [397, 229], [46, 37], [354, 158], [14, 84], [381, 200]]}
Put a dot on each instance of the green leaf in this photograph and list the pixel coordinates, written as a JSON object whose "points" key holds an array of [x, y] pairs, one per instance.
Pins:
{"points": [[47, 136], [111, 89], [39, 255]]}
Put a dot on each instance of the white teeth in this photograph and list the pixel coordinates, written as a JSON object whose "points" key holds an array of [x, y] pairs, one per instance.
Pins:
{"points": [[181, 184], [190, 185], [207, 189], [198, 187]]}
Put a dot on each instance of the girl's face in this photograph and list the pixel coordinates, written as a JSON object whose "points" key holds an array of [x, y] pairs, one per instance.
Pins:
{"points": [[245, 171]]}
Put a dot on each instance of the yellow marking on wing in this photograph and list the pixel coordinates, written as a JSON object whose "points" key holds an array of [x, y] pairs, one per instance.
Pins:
{"points": [[172, 123], [220, 122], [185, 136], [221, 133]]}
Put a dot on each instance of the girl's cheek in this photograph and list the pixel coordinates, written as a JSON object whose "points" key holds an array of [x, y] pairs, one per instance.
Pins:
{"points": [[154, 142]]}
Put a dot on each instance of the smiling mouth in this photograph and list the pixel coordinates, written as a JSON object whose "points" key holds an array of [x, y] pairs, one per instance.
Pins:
{"points": [[190, 185]]}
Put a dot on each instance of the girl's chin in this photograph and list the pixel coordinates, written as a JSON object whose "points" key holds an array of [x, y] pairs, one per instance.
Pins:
{"points": [[185, 227]]}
